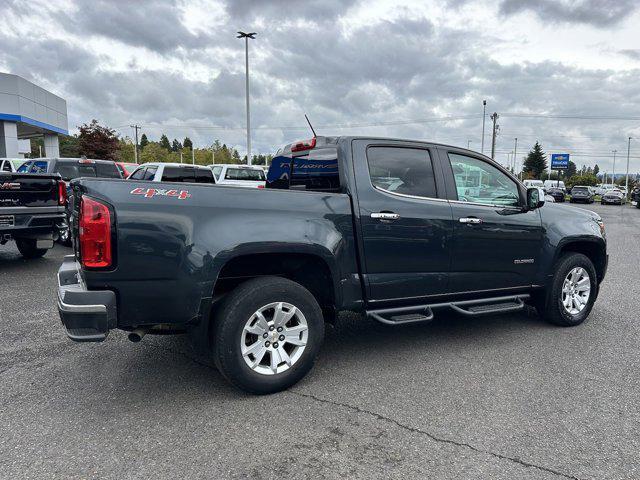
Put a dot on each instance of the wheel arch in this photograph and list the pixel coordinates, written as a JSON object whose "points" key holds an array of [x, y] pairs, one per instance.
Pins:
{"points": [[594, 249]]}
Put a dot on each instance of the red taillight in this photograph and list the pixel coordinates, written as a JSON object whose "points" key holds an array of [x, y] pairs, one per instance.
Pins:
{"points": [[304, 145], [95, 234], [260, 186], [62, 193]]}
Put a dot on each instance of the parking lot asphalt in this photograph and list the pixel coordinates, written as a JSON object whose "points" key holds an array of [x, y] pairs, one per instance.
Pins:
{"points": [[495, 397]]}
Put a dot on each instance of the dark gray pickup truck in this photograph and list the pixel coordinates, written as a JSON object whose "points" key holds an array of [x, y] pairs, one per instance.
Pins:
{"points": [[31, 211], [398, 230]]}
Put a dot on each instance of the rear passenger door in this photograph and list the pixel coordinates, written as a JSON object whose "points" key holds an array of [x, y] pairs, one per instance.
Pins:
{"points": [[406, 223]]}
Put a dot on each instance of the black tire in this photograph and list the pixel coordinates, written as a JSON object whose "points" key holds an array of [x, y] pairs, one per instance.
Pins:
{"points": [[27, 248], [552, 310], [64, 237], [238, 307], [638, 204]]}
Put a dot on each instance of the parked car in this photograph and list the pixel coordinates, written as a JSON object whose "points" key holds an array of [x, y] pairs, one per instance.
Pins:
{"points": [[613, 197], [173, 172], [581, 193], [126, 169], [239, 175], [70, 168], [604, 188], [31, 211], [9, 164], [556, 193], [635, 196], [548, 184], [400, 232]]}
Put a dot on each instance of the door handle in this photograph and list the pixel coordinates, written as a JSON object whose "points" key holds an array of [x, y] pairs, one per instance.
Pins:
{"points": [[385, 216], [470, 220]]}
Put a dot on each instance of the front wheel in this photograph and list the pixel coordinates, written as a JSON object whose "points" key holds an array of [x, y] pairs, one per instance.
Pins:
{"points": [[28, 248], [267, 334], [573, 291]]}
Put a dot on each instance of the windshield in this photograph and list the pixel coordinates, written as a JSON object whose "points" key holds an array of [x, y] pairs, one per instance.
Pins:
{"points": [[244, 174], [580, 189]]}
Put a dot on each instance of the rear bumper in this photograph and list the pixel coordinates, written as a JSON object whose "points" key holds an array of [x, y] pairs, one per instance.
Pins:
{"points": [[34, 221], [87, 315]]}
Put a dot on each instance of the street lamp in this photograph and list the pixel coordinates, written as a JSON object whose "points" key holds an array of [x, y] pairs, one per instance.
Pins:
{"points": [[626, 182], [613, 174], [484, 114], [246, 37]]}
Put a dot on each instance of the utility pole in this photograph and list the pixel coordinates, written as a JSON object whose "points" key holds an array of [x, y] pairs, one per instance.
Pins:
{"points": [[468, 144], [136, 128], [193, 156], [484, 114], [180, 156], [515, 155], [626, 182], [494, 117], [246, 37], [613, 173]]}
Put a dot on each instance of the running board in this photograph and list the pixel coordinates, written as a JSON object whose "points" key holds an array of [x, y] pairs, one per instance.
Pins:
{"points": [[471, 308]]}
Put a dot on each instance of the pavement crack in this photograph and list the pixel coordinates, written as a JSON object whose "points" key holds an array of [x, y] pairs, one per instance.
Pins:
{"points": [[433, 437]]}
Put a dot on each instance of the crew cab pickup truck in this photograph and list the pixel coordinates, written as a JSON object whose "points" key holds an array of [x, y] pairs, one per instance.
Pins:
{"points": [[31, 210], [397, 230]]}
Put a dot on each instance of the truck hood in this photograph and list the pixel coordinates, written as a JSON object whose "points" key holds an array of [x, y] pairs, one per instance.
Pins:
{"points": [[568, 216]]}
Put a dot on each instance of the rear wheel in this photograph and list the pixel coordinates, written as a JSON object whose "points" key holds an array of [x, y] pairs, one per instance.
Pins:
{"points": [[573, 291], [267, 334], [28, 249]]}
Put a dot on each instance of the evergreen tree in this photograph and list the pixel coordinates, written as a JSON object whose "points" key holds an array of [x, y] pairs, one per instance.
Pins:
{"points": [[596, 170], [144, 141], [571, 170], [176, 146], [187, 143], [164, 142], [536, 162], [235, 157]]}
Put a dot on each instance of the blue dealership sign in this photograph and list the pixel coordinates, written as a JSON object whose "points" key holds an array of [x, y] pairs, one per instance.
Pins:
{"points": [[559, 161]]}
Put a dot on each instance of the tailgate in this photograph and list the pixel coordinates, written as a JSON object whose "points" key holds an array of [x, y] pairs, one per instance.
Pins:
{"points": [[28, 190]]}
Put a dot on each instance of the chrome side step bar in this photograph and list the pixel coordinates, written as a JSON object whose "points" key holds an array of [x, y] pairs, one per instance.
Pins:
{"points": [[471, 308]]}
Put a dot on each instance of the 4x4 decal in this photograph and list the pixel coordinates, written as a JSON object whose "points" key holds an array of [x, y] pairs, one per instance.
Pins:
{"points": [[163, 192]]}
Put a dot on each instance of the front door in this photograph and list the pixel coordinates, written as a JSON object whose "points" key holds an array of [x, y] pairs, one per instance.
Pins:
{"points": [[496, 242], [405, 224]]}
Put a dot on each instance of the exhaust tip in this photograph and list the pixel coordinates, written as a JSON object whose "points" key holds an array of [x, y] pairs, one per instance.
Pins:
{"points": [[136, 335]]}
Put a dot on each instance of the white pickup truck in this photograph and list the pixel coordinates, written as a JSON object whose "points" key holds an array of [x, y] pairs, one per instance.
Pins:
{"points": [[251, 176]]}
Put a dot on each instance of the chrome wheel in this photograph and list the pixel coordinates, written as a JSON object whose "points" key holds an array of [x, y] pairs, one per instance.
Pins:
{"points": [[274, 338], [576, 289]]}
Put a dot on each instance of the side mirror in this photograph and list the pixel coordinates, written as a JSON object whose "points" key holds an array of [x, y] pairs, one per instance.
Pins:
{"points": [[535, 198]]}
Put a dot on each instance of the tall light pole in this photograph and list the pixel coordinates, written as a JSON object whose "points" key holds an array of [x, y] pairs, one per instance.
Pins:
{"points": [[496, 127], [613, 173], [468, 144], [484, 114], [515, 155], [626, 182], [246, 37]]}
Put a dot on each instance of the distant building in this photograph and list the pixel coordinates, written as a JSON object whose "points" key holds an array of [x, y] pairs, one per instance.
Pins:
{"points": [[28, 111]]}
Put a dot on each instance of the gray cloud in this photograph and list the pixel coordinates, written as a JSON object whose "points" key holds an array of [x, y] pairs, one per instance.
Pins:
{"points": [[154, 24], [633, 54], [600, 13]]}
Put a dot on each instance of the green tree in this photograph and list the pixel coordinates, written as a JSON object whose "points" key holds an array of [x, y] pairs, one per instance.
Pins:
{"points": [[596, 170], [176, 146], [69, 146], [536, 162], [153, 152], [126, 151], [96, 141], [144, 141], [235, 157], [571, 170], [164, 142], [187, 143], [587, 179]]}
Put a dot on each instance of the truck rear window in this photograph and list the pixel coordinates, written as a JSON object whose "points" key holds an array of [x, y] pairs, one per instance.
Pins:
{"points": [[69, 171], [244, 174], [315, 170], [107, 170]]}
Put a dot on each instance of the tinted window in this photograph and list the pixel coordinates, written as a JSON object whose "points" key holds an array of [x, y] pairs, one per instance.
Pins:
{"points": [[402, 170], [39, 166], [24, 168], [580, 189], [149, 173], [204, 175], [69, 171], [178, 174], [479, 182], [138, 174], [107, 170], [244, 174], [6, 166], [316, 170]]}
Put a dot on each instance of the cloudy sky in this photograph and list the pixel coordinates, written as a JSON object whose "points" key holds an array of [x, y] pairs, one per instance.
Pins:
{"points": [[417, 69]]}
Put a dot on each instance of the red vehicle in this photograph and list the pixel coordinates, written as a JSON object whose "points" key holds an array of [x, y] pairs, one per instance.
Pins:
{"points": [[126, 169]]}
